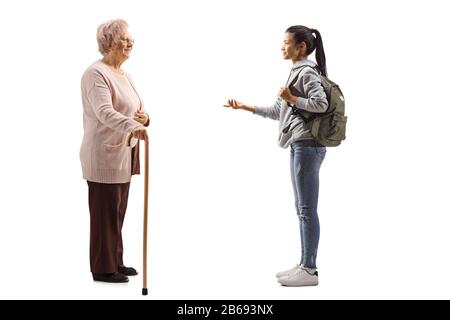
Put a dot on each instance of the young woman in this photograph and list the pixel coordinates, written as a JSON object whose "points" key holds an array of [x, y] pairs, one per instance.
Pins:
{"points": [[301, 98]]}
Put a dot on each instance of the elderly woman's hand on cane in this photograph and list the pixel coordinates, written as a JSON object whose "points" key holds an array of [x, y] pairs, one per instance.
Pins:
{"points": [[138, 133]]}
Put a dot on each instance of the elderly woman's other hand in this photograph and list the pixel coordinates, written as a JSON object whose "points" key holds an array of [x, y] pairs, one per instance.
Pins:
{"points": [[141, 117]]}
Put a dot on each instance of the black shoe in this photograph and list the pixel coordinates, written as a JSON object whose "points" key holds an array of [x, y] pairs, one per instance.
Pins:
{"points": [[127, 271], [115, 277]]}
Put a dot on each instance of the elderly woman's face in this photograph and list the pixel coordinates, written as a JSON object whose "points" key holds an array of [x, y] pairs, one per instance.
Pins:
{"points": [[125, 45]]}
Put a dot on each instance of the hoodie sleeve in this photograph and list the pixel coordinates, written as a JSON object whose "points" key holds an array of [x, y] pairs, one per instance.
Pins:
{"points": [[272, 112], [316, 99]]}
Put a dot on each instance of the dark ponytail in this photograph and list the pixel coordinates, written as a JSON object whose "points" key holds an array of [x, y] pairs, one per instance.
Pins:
{"points": [[304, 34]]}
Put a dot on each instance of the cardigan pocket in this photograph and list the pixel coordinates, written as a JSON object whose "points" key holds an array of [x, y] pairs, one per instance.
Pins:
{"points": [[114, 156]]}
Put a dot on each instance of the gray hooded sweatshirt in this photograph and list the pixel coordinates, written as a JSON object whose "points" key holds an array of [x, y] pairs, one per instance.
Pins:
{"points": [[306, 82]]}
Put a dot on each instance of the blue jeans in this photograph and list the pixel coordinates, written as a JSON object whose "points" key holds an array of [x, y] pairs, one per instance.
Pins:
{"points": [[306, 159]]}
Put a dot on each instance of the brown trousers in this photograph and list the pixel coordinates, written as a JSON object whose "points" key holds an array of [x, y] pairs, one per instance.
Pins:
{"points": [[107, 207]]}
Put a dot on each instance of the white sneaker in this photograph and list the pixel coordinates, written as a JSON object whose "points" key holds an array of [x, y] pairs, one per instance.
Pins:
{"points": [[288, 272], [302, 277]]}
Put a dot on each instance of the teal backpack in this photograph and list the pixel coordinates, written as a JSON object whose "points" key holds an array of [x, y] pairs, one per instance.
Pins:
{"points": [[327, 128]]}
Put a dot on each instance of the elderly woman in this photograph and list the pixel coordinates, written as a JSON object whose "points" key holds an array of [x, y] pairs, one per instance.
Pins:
{"points": [[112, 111]]}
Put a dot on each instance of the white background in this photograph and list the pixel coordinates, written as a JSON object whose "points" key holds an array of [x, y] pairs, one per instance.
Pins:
{"points": [[222, 218]]}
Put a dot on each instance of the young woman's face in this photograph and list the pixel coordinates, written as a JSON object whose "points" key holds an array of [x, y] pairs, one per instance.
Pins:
{"points": [[290, 50]]}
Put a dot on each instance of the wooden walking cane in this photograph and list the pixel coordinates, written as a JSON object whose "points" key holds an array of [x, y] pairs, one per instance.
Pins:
{"points": [[144, 280], [144, 267]]}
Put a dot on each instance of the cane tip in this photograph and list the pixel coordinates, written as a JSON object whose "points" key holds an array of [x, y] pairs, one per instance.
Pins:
{"points": [[144, 291]]}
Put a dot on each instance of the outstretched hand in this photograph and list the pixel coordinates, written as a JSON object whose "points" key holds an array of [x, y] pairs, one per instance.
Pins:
{"points": [[232, 103]]}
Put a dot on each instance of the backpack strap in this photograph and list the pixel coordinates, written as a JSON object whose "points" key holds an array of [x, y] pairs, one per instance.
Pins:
{"points": [[289, 81]]}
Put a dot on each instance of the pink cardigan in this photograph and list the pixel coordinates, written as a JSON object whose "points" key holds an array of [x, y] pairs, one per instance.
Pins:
{"points": [[109, 102]]}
